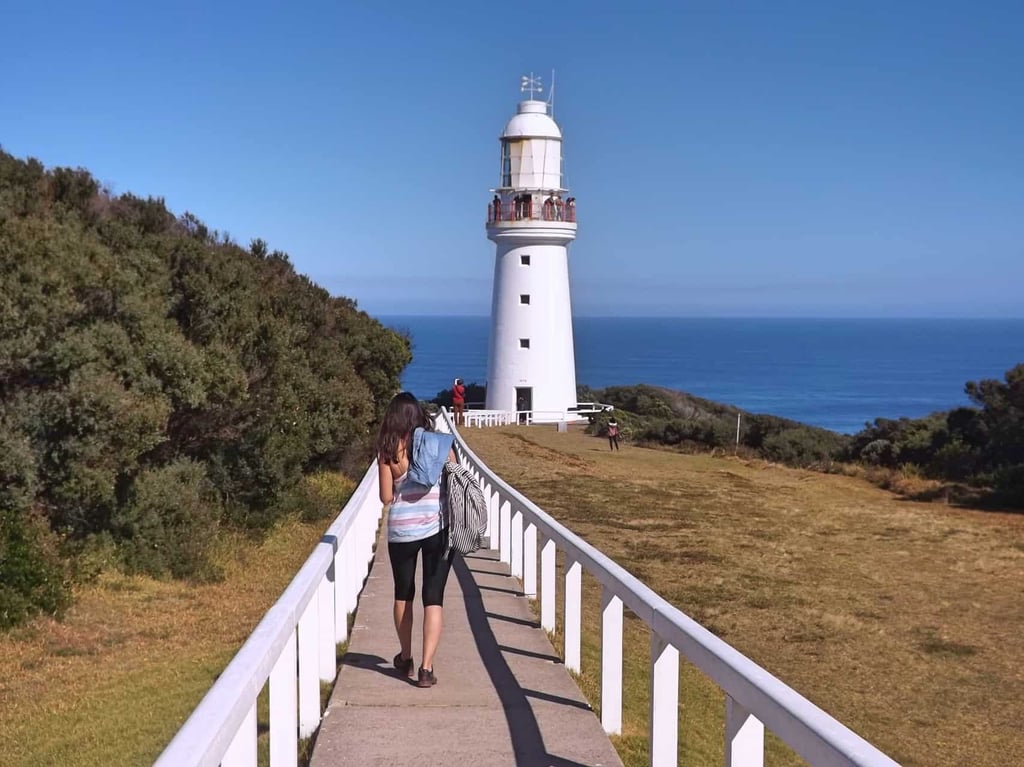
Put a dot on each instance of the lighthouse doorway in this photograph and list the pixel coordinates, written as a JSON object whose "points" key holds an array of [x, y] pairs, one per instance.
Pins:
{"points": [[524, 402]]}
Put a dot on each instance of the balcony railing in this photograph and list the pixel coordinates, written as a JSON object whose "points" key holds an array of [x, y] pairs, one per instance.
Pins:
{"points": [[507, 212]]}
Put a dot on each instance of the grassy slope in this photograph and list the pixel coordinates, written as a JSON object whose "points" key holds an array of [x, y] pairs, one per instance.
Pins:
{"points": [[115, 680], [903, 620]]}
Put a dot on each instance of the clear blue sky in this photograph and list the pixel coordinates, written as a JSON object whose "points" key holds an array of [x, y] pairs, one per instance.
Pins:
{"points": [[765, 159]]}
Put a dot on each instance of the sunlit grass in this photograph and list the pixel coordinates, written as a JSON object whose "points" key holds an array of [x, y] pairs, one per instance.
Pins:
{"points": [[114, 681], [903, 620]]}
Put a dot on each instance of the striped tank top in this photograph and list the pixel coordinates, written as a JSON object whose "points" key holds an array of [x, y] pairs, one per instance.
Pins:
{"points": [[415, 511]]}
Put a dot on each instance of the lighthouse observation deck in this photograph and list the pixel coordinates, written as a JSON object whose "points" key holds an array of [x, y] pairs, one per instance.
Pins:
{"points": [[510, 213]]}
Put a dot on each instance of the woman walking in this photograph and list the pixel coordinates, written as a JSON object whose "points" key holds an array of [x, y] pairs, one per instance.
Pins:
{"points": [[414, 524]]}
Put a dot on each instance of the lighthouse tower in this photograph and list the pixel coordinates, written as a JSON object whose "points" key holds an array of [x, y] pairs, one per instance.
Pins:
{"points": [[531, 219]]}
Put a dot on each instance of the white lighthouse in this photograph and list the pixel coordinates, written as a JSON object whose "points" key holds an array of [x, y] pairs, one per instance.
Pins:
{"points": [[531, 219]]}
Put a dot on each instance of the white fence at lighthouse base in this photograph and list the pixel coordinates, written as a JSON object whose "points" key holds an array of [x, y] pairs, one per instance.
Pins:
{"points": [[754, 699], [480, 418], [293, 647]]}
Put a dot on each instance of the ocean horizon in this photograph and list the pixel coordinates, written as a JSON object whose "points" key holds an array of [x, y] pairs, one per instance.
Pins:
{"points": [[836, 373]]}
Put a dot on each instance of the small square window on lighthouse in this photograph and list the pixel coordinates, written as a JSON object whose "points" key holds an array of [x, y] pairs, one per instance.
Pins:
{"points": [[524, 343], [524, 298], [524, 260]]}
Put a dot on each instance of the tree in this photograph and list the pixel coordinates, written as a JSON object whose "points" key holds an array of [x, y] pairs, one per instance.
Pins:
{"points": [[158, 382]]}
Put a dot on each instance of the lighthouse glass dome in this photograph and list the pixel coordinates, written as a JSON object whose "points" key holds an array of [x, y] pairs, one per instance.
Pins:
{"points": [[531, 150]]}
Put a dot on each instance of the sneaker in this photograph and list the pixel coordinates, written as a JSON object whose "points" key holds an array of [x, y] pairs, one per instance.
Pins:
{"points": [[403, 665], [426, 678]]}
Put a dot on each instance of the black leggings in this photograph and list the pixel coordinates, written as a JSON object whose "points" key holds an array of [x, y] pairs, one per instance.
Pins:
{"points": [[435, 569]]}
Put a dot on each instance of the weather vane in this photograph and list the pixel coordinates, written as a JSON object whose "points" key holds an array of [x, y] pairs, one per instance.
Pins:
{"points": [[530, 84]]}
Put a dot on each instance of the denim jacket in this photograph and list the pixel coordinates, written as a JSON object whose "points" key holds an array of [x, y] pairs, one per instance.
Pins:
{"points": [[429, 454]]}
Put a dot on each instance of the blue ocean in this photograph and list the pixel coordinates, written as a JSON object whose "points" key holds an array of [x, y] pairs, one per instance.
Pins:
{"points": [[835, 373]]}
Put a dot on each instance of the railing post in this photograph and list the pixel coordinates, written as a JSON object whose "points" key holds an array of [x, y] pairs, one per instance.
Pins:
{"points": [[485, 488], [492, 517], [325, 625], [744, 737], [363, 531], [547, 585], [350, 586], [284, 719], [573, 613], [369, 527], [309, 678], [343, 574], [505, 533], [664, 702], [530, 561], [242, 751], [517, 544], [611, 662]]}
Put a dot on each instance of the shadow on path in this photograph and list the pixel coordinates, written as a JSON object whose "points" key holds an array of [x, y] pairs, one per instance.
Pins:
{"points": [[374, 663], [527, 741]]}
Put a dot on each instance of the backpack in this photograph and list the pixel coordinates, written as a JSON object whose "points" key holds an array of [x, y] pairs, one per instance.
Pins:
{"points": [[613, 431], [465, 516]]}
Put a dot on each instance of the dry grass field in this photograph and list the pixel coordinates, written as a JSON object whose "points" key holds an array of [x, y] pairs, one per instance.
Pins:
{"points": [[112, 683], [903, 620]]}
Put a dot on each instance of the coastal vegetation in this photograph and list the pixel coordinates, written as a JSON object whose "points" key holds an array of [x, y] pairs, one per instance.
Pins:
{"points": [[899, 618], [161, 386], [971, 454]]}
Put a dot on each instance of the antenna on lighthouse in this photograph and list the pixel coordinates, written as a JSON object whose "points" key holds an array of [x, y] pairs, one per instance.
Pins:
{"points": [[551, 94], [530, 84]]}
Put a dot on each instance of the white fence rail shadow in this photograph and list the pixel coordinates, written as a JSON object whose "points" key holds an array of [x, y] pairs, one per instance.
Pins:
{"points": [[293, 647], [754, 699]]}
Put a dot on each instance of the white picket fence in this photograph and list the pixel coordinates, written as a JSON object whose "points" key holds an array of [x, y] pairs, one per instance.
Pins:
{"points": [[754, 699], [479, 418], [293, 647]]}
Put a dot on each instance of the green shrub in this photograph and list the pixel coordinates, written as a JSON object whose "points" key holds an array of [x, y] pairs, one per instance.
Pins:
{"points": [[321, 495], [32, 577], [170, 522], [801, 447], [91, 556], [879, 452], [955, 461], [1009, 485]]}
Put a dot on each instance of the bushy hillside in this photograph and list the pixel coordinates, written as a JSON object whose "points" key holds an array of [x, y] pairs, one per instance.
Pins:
{"points": [[651, 414], [981, 447], [157, 382]]}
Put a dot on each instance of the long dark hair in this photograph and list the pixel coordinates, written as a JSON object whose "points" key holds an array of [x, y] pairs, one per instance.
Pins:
{"points": [[403, 415]]}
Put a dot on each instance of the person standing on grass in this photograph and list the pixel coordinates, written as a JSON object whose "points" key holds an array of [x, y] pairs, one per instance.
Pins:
{"points": [[613, 434], [458, 400], [410, 459]]}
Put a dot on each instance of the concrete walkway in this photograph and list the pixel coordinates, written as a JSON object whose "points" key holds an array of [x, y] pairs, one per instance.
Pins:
{"points": [[502, 697]]}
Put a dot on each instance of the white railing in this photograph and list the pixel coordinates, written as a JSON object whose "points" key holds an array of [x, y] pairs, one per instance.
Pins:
{"points": [[754, 699], [293, 646], [479, 418]]}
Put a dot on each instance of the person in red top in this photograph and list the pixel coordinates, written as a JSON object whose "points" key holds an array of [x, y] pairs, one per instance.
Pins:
{"points": [[458, 400]]}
